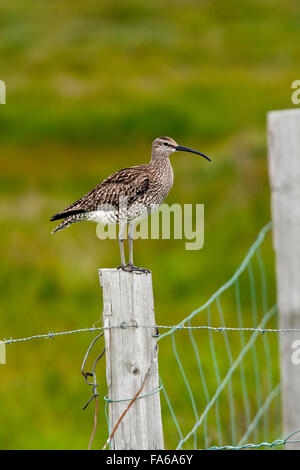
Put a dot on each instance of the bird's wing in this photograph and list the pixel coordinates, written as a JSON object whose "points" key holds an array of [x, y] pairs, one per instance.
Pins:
{"points": [[129, 183]]}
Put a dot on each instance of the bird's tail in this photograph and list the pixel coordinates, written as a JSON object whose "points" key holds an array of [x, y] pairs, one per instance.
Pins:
{"points": [[66, 223], [70, 217]]}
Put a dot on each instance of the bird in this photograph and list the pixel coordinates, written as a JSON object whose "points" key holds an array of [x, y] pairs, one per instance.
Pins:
{"points": [[127, 196]]}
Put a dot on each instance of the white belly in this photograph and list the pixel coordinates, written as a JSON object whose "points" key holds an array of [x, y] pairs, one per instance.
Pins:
{"points": [[103, 217], [136, 212]]}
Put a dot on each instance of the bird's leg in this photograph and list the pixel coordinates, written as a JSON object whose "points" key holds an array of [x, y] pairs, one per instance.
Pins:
{"points": [[130, 238], [130, 266], [121, 245]]}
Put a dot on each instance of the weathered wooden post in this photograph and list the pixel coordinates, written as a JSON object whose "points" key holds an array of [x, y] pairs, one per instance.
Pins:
{"points": [[284, 170], [130, 352]]}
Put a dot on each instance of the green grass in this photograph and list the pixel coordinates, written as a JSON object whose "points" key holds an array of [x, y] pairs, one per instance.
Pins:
{"points": [[89, 86]]}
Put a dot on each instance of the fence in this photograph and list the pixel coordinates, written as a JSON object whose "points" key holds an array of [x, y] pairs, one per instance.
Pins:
{"points": [[237, 368], [252, 414]]}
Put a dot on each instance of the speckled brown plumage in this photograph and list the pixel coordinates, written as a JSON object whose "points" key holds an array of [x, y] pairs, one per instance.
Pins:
{"points": [[135, 189], [128, 194]]}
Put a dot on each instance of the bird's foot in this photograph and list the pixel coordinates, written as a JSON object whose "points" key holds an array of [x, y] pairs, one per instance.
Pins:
{"points": [[129, 268], [122, 266]]}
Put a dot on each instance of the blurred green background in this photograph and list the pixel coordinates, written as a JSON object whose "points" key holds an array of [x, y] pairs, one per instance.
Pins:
{"points": [[89, 85]]}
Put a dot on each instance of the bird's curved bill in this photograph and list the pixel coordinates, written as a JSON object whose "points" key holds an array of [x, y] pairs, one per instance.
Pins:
{"points": [[180, 148]]}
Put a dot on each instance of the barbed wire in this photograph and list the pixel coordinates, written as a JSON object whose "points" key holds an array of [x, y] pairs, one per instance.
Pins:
{"points": [[51, 334]]}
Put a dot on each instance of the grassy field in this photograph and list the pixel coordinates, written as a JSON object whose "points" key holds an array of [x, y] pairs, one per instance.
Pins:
{"points": [[89, 86]]}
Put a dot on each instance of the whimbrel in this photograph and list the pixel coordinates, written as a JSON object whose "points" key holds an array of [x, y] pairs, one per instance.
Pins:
{"points": [[128, 195]]}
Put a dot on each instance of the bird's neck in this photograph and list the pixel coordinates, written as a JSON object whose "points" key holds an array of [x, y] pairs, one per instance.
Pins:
{"points": [[164, 171], [159, 161]]}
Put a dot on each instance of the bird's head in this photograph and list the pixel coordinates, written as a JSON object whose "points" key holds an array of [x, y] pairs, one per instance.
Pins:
{"points": [[165, 146]]}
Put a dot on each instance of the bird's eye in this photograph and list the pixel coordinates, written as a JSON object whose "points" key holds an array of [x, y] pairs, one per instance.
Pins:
{"points": [[166, 144]]}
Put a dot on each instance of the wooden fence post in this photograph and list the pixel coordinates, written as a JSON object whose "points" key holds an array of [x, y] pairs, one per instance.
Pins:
{"points": [[130, 352], [284, 171]]}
